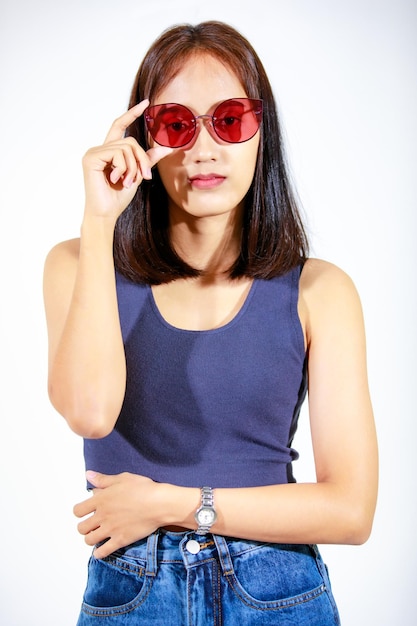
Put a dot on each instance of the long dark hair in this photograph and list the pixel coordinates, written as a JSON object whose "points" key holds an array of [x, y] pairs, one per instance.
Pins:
{"points": [[273, 237]]}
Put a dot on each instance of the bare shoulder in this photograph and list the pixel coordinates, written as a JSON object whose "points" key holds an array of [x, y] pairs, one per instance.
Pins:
{"points": [[65, 251], [327, 295], [321, 279]]}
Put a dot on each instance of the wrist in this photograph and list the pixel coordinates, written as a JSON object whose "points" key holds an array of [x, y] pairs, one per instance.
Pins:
{"points": [[177, 505], [98, 225], [96, 237]]}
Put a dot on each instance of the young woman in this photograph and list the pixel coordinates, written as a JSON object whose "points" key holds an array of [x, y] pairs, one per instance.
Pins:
{"points": [[186, 325]]}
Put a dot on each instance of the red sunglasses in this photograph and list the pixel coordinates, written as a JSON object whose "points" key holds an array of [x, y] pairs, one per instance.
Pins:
{"points": [[174, 125]]}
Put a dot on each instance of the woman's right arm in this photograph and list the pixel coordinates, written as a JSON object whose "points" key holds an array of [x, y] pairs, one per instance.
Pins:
{"points": [[87, 369]]}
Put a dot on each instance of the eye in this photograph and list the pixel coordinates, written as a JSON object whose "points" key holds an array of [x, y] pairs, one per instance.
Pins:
{"points": [[177, 126], [230, 120], [229, 114], [175, 120]]}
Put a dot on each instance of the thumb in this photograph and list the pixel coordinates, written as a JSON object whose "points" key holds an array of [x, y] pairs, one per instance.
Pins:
{"points": [[98, 480], [157, 153]]}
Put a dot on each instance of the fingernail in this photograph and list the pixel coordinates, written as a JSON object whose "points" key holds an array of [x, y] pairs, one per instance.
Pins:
{"points": [[114, 177]]}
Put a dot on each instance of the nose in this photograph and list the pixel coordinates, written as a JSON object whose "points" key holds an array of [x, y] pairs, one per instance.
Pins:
{"points": [[205, 139]]}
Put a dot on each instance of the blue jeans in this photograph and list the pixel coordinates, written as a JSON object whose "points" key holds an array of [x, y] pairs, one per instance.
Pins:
{"points": [[183, 579]]}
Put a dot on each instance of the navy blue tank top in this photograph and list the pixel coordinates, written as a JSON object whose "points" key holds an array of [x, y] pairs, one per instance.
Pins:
{"points": [[216, 407]]}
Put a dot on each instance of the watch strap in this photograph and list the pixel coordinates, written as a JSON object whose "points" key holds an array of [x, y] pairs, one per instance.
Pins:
{"points": [[207, 502], [207, 497]]}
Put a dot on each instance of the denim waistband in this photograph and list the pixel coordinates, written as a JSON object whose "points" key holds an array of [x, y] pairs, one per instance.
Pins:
{"points": [[190, 548]]}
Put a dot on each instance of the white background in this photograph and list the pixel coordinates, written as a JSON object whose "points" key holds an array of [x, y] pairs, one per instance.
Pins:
{"points": [[344, 76]]}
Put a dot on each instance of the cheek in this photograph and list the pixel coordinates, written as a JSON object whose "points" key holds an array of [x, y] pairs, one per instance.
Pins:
{"points": [[247, 163]]}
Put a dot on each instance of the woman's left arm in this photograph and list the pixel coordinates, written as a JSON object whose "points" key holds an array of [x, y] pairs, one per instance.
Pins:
{"points": [[339, 507]]}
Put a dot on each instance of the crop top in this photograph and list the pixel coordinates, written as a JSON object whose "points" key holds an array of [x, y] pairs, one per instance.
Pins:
{"points": [[214, 407]]}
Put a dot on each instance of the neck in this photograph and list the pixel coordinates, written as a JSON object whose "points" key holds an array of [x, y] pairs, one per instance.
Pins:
{"points": [[210, 244]]}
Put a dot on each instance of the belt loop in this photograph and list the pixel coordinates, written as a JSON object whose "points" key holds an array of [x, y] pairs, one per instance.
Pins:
{"points": [[224, 555], [151, 554]]}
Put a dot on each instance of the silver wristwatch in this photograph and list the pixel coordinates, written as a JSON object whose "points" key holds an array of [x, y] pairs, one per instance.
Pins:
{"points": [[205, 516]]}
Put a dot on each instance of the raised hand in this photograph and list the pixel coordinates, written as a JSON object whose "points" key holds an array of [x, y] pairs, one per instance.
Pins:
{"points": [[113, 171]]}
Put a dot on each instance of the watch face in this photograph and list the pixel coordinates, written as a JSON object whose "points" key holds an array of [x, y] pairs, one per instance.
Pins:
{"points": [[206, 516]]}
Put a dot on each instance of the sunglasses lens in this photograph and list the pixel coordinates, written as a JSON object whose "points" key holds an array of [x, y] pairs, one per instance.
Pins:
{"points": [[235, 120], [238, 119], [170, 125]]}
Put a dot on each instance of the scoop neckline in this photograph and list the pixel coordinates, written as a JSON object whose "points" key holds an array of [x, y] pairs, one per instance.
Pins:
{"points": [[240, 313]]}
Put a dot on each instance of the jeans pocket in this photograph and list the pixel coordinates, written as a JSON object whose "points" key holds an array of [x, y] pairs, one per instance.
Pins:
{"points": [[115, 585], [276, 575]]}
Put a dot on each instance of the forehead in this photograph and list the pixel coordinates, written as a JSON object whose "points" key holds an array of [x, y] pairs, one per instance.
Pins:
{"points": [[201, 82]]}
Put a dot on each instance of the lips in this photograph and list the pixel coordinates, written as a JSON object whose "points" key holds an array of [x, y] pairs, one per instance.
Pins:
{"points": [[206, 181]]}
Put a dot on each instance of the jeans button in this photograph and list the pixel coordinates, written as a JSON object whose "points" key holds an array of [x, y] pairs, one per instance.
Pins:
{"points": [[192, 546]]}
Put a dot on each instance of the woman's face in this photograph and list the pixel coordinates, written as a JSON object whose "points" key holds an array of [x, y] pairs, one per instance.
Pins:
{"points": [[207, 177]]}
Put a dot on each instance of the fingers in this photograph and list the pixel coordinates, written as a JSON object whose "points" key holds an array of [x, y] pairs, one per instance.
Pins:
{"points": [[124, 162], [95, 528], [95, 536], [107, 548], [119, 126], [130, 164], [100, 481], [88, 527], [84, 508], [125, 166]]}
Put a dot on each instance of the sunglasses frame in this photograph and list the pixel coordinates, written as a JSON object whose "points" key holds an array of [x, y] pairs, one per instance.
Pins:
{"points": [[257, 109]]}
